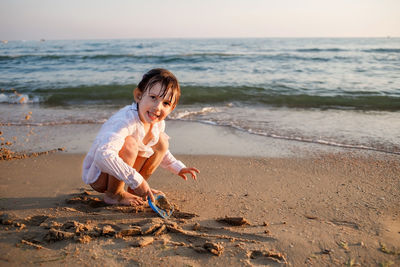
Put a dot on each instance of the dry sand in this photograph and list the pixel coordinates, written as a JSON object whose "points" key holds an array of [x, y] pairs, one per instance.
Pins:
{"points": [[317, 208]]}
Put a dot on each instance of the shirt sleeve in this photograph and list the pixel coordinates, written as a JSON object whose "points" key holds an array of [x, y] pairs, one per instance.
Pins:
{"points": [[108, 160], [170, 163]]}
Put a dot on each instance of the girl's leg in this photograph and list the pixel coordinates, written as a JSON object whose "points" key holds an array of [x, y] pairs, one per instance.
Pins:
{"points": [[101, 183], [146, 166], [115, 192], [160, 149]]}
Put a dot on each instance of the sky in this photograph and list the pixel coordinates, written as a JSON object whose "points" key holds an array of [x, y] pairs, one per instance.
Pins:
{"points": [[114, 19]]}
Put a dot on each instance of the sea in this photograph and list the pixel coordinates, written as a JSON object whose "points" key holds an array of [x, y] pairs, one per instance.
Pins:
{"points": [[342, 92]]}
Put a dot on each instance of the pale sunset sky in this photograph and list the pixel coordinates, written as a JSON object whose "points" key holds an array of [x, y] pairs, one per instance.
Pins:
{"points": [[109, 19]]}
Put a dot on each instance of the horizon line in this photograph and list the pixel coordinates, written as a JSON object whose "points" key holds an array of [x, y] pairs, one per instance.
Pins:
{"points": [[238, 37]]}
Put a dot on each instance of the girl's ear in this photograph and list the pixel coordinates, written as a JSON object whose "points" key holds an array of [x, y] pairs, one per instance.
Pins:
{"points": [[137, 95]]}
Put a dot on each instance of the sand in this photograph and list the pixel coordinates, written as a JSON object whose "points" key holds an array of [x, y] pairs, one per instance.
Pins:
{"points": [[299, 205]]}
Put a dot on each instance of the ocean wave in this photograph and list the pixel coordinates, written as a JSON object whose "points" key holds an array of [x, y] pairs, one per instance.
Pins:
{"points": [[96, 94], [115, 56], [32, 57], [163, 59], [270, 95], [291, 57], [314, 50], [277, 95], [308, 55], [382, 50], [17, 98], [183, 114]]}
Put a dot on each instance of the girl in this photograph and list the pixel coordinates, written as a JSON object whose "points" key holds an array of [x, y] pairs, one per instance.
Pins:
{"points": [[132, 143]]}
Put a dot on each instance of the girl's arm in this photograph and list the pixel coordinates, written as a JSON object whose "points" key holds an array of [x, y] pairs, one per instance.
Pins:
{"points": [[170, 163], [175, 166]]}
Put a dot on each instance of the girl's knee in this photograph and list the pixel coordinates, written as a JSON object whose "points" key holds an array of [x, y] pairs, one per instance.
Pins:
{"points": [[163, 144], [129, 149]]}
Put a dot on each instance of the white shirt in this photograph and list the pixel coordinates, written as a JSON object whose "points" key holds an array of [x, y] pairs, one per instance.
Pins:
{"points": [[103, 155]]}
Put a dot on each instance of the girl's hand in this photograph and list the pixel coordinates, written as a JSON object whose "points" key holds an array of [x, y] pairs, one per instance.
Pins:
{"points": [[144, 191], [157, 192], [192, 172]]}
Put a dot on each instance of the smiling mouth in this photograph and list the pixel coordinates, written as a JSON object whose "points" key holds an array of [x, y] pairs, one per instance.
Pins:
{"points": [[152, 116]]}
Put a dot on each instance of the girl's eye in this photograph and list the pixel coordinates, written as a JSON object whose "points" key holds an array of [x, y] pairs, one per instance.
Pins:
{"points": [[152, 97], [167, 104]]}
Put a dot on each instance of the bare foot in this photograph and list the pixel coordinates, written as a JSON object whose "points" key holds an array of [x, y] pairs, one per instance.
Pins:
{"points": [[123, 198]]}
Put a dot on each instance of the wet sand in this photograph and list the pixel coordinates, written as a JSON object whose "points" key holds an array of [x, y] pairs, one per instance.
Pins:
{"points": [[302, 204]]}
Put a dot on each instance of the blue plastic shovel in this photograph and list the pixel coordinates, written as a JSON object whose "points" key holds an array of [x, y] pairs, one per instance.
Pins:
{"points": [[161, 212]]}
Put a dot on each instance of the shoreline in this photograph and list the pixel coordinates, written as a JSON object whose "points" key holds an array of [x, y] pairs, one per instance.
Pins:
{"points": [[186, 138], [367, 131]]}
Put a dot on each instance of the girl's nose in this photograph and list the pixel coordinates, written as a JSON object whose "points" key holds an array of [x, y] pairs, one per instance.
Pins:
{"points": [[158, 105]]}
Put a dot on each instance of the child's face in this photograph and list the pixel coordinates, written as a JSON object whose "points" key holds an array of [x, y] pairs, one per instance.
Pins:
{"points": [[153, 107]]}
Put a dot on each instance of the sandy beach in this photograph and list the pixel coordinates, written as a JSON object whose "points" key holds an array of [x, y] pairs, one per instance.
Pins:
{"points": [[296, 204]]}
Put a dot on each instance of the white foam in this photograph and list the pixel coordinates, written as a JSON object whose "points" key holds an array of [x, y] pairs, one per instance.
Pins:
{"points": [[182, 114], [17, 99]]}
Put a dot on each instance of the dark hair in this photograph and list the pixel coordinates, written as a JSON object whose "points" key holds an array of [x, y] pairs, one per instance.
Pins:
{"points": [[167, 80]]}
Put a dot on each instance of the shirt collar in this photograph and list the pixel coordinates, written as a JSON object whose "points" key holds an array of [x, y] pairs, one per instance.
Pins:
{"points": [[134, 106]]}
